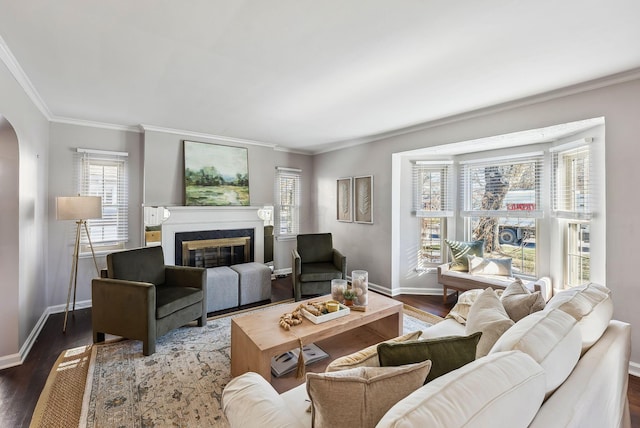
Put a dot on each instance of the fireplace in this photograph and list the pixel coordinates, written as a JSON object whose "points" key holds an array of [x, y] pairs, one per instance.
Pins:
{"points": [[212, 248], [211, 223]]}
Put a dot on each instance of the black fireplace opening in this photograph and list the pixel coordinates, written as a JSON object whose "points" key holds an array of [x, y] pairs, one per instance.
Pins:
{"points": [[231, 251]]}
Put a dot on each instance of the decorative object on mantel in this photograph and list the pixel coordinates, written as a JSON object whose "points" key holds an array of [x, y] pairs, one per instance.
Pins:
{"points": [[215, 174], [81, 209], [344, 200], [363, 199]]}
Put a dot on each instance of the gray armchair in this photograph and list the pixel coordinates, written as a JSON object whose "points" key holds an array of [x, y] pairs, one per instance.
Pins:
{"points": [[142, 298], [315, 264]]}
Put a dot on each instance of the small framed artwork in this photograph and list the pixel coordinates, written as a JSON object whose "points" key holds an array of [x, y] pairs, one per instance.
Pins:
{"points": [[344, 203], [363, 199]]}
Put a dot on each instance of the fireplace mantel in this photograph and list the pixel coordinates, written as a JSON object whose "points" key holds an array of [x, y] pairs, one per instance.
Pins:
{"points": [[191, 219]]}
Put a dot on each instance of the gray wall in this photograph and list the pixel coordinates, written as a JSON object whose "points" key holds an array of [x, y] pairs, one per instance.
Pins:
{"points": [[24, 281], [368, 247], [64, 140]]}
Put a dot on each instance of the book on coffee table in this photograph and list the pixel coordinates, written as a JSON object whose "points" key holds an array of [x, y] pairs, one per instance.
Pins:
{"points": [[287, 362]]}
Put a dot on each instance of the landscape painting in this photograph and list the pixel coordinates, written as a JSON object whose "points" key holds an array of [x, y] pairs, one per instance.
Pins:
{"points": [[215, 175]]}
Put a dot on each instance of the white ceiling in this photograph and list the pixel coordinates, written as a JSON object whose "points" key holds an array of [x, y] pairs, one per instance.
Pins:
{"points": [[305, 74]]}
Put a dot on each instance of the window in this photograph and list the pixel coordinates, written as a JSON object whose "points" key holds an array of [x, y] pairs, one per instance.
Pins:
{"points": [[578, 264], [287, 200], [572, 206], [432, 205], [501, 202], [105, 174]]}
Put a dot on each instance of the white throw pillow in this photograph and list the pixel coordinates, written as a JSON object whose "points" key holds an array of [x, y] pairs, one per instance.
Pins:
{"points": [[551, 338], [488, 316], [500, 390], [460, 311], [360, 397], [484, 266], [590, 305]]}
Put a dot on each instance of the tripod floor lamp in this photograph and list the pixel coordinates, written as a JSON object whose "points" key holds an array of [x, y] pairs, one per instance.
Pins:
{"points": [[80, 209]]}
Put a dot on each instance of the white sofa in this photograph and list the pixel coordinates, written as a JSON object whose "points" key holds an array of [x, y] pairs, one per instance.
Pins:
{"points": [[564, 366]]}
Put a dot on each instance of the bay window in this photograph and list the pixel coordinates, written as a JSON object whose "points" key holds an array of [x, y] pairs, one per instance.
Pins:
{"points": [[500, 205]]}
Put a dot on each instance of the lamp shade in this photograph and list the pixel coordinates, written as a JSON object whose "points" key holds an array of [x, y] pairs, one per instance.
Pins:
{"points": [[78, 207]]}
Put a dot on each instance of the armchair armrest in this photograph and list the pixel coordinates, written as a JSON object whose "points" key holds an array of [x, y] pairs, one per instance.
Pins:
{"points": [[185, 276], [340, 261], [124, 308], [296, 269]]}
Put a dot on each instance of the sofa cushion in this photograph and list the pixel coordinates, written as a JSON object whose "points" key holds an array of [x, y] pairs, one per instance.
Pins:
{"points": [[250, 397], [368, 357], [519, 302], [590, 305], [311, 272], [359, 397], [460, 250], [488, 316], [484, 266], [551, 338], [446, 353], [504, 389], [172, 299]]}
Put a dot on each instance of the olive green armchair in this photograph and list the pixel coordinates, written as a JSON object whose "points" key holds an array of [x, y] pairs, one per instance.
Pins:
{"points": [[315, 264], [142, 298]]}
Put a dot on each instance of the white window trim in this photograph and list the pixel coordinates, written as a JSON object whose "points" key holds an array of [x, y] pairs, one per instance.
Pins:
{"points": [[84, 188], [295, 226]]}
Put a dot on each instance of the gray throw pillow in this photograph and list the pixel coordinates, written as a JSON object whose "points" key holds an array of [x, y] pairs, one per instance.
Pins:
{"points": [[460, 250]]}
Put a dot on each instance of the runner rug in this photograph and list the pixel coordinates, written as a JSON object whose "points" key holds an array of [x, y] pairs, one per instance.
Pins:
{"points": [[179, 385]]}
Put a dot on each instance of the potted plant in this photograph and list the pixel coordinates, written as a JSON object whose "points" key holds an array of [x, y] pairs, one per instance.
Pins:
{"points": [[349, 296]]}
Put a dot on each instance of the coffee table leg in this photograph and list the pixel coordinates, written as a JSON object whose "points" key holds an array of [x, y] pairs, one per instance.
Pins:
{"points": [[388, 327], [246, 356]]}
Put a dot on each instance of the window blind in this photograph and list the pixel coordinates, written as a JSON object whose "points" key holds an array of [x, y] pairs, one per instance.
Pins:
{"points": [[571, 184], [504, 187], [431, 188], [287, 201], [105, 174]]}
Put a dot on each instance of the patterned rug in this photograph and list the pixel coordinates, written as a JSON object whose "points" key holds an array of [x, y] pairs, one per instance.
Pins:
{"points": [[179, 385]]}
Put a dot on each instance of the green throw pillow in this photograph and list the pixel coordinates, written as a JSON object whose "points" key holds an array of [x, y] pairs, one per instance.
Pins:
{"points": [[460, 250], [446, 353]]}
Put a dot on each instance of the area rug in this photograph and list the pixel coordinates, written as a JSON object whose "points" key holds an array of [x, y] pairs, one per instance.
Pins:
{"points": [[180, 385]]}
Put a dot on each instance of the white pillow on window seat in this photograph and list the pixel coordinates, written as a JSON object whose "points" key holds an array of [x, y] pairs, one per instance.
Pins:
{"points": [[486, 266]]}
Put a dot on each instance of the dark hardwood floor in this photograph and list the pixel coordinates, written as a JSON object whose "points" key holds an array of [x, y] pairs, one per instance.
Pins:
{"points": [[20, 386]]}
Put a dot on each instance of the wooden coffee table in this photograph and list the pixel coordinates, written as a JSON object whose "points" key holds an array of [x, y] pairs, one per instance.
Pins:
{"points": [[255, 338]]}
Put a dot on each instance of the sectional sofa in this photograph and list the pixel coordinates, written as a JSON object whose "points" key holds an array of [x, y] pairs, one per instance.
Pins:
{"points": [[565, 365]]}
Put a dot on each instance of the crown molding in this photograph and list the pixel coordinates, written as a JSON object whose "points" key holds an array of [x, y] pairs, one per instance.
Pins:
{"points": [[194, 134], [94, 124], [590, 85], [21, 77]]}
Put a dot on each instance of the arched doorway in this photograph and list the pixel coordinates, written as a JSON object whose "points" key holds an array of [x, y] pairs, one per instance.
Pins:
{"points": [[9, 244]]}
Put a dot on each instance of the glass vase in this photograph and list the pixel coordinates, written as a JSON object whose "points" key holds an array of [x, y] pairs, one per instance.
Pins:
{"points": [[338, 287], [360, 283]]}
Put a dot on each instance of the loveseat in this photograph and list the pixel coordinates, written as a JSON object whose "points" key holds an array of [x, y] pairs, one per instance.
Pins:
{"points": [[565, 365]]}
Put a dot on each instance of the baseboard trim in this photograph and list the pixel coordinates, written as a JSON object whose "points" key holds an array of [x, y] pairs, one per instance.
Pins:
{"points": [[286, 271], [13, 360], [634, 369]]}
